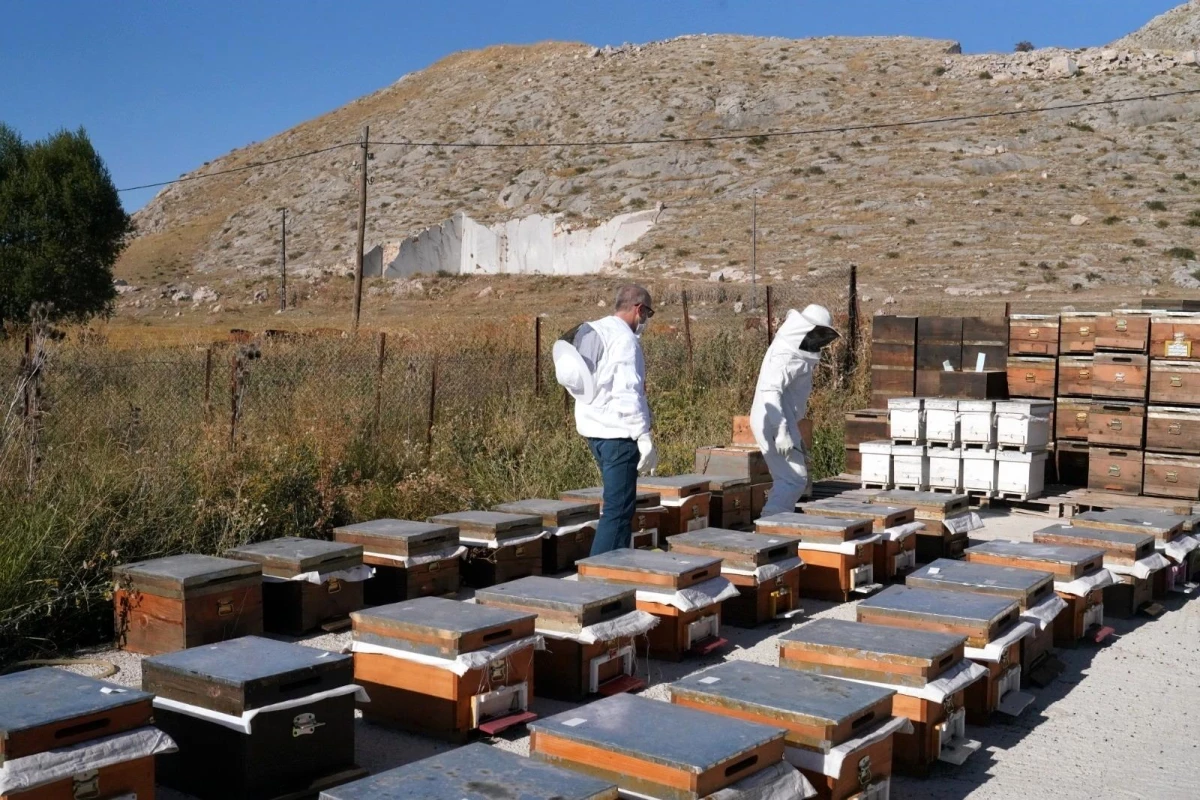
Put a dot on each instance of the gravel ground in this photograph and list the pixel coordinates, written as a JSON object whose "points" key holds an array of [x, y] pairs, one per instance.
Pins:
{"points": [[1116, 723]]}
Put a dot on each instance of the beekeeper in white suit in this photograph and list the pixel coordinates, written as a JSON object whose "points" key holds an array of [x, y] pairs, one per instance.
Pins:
{"points": [[601, 365], [781, 401]]}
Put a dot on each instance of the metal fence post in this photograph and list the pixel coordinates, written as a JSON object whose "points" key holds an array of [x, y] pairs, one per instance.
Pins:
{"points": [[381, 354], [852, 322], [687, 336], [234, 391], [537, 356], [770, 317], [208, 366], [433, 376]]}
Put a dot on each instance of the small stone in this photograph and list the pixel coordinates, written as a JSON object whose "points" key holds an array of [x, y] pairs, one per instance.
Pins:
{"points": [[738, 307], [486, 292], [1063, 67], [889, 301], [1079, 219]]}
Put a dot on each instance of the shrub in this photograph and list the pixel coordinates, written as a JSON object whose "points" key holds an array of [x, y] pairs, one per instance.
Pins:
{"points": [[985, 76], [1156, 205], [1182, 253], [1023, 47], [1111, 220]]}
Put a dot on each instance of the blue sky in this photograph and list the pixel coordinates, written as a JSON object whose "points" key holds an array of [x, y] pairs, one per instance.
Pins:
{"points": [[163, 86]]}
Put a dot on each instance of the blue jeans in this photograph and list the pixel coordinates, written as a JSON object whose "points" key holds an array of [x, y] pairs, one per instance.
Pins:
{"points": [[618, 460]]}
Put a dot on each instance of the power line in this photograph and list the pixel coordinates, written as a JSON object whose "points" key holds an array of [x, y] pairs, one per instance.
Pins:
{"points": [[694, 139], [254, 165]]}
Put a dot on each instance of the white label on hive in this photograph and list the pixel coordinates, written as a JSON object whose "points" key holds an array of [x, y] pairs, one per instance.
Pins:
{"points": [[710, 679], [574, 721], [1179, 349]]}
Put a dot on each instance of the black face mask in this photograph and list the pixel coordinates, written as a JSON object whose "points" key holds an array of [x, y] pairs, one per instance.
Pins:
{"points": [[817, 339]]}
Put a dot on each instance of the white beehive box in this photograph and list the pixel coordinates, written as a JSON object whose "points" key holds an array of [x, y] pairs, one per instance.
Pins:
{"points": [[910, 467], [906, 419], [979, 471], [876, 463], [1020, 474], [977, 422], [1024, 424], [941, 421], [945, 468]]}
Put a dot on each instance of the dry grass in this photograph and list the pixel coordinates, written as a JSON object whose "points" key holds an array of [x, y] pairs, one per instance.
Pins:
{"points": [[132, 466]]}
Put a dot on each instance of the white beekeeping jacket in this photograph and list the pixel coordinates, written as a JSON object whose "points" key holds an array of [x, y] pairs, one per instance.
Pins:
{"points": [[784, 383], [619, 409]]}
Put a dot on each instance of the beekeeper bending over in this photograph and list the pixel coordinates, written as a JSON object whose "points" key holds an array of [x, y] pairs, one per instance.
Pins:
{"points": [[600, 364], [781, 401]]}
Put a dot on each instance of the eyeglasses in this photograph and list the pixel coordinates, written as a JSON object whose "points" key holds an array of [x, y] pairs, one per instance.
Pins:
{"points": [[649, 311]]}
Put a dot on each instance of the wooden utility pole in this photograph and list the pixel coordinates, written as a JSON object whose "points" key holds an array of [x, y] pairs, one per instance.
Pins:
{"points": [[362, 222], [754, 253], [283, 259]]}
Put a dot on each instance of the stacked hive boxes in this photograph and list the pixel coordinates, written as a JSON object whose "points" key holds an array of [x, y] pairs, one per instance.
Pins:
{"points": [[893, 359], [1076, 362], [1172, 460], [1120, 389]]}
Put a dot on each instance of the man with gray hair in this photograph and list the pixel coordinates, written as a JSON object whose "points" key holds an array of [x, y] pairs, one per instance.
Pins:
{"points": [[601, 365]]}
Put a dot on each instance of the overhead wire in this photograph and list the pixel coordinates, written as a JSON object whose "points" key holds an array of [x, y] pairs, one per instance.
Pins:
{"points": [[667, 141]]}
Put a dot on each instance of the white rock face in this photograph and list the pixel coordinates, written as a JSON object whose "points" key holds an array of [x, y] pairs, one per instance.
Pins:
{"points": [[205, 295], [1079, 219], [535, 245], [1064, 66]]}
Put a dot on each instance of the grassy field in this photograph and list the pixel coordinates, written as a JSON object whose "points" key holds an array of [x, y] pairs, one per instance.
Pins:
{"points": [[131, 462]]}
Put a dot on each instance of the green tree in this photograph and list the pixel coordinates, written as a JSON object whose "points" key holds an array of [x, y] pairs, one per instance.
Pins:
{"points": [[62, 227]]}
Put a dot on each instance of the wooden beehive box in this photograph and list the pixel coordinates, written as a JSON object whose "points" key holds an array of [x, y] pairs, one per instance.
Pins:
{"points": [[1071, 419], [986, 337], [570, 529], [177, 602], [1125, 330], [294, 607], [572, 667], [818, 714], [302, 748], [968, 385], [1116, 471], [609, 739], [405, 556], [1171, 475], [1120, 376], [742, 555], [1032, 377], [1077, 331], [1161, 525], [1072, 461], [1033, 335], [882, 515], [47, 709], [893, 358], [1172, 336], [687, 501], [864, 425], [742, 461], [1120, 425], [939, 340], [907, 660], [837, 562], [1120, 546], [1174, 383], [1027, 587], [978, 617], [729, 504], [647, 516], [1075, 376], [500, 547], [1172, 429], [472, 773], [1067, 563], [678, 632], [926, 505], [429, 698]]}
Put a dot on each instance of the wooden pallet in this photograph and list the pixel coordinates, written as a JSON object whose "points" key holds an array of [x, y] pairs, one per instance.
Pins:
{"points": [[1091, 500], [1021, 448], [942, 443], [908, 442], [836, 486], [985, 446]]}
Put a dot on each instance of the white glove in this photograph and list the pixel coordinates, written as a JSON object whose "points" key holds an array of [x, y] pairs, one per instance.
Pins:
{"points": [[784, 443], [648, 454]]}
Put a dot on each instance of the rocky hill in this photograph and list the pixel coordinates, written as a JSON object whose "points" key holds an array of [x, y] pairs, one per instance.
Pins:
{"points": [[1177, 29], [1101, 201]]}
